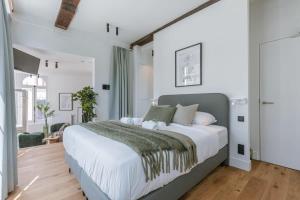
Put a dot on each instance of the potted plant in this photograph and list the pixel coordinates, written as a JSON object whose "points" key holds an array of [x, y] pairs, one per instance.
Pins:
{"points": [[87, 98], [45, 110]]}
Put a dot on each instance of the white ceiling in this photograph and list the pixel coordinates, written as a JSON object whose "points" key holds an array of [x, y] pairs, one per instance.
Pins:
{"points": [[136, 18], [67, 63]]}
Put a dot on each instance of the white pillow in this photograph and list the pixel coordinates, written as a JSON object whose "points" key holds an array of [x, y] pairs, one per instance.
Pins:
{"points": [[132, 121], [126, 120], [152, 125], [203, 118], [137, 121]]}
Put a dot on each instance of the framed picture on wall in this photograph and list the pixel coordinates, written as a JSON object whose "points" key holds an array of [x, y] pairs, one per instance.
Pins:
{"points": [[65, 102], [188, 66]]}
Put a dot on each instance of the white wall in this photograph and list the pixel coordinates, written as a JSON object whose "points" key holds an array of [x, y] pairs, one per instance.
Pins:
{"points": [[70, 83], [269, 20], [78, 43], [223, 30], [143, 71]]}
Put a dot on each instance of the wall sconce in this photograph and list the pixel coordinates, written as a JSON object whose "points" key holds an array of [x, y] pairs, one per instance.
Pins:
{"points": [[154, 102], [239, 101]]}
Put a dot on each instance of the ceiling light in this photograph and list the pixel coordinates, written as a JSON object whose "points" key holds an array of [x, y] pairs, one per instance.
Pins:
{"points": [[107, 27], [117, 31]]}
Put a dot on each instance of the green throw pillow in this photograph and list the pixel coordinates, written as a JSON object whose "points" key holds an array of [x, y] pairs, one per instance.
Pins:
{"points": [[160, 114], [185, 114]]}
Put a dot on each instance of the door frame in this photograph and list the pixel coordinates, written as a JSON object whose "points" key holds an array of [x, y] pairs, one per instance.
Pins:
{"points": [[259, 153], [24, 111]]}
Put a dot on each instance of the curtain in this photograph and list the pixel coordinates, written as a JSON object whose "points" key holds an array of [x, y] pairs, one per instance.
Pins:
{"points": [[8, 137], [121, 94]]}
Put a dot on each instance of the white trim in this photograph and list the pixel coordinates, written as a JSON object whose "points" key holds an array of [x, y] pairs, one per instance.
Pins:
{"points": [[241, 164], [255, 155]]}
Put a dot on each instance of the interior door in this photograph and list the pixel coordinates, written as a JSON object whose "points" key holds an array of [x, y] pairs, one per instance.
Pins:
{"points": [[280, 102]]}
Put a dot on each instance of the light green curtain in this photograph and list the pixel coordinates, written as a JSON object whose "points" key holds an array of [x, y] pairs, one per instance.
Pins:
{"points": [[8, 136], [121, 95]]}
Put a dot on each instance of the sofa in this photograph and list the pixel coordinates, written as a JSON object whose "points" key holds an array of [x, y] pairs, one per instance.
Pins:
{"points": [[30, 139]]}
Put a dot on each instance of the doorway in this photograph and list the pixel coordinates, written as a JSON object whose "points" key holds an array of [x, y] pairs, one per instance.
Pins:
{"points": [[280, 102]]}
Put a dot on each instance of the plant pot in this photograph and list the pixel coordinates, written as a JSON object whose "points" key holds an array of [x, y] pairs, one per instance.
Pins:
{"points": [[85, 118], [46, 131]]}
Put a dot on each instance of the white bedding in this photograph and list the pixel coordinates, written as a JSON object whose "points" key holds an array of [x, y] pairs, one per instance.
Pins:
{"points": [[118, 170]]}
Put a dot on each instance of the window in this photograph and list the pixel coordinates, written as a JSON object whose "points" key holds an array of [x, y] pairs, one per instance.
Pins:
{"points": [[36, 88], [21, 110]]}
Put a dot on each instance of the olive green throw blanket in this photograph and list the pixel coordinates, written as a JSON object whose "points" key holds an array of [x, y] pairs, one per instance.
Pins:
{"points": [[154, 147]]}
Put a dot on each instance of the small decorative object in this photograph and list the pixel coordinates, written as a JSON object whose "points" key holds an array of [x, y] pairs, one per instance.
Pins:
{"points": [[87, 98], [65, 102], [45, 110], [188, 66]]}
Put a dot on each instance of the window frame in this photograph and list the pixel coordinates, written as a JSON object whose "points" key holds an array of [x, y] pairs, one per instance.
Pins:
{"points": [[34, 96], [24, 99]]}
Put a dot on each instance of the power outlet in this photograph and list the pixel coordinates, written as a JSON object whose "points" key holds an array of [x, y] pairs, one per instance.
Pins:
{"points": [[106, 87], [241, 149], [241, 118]]}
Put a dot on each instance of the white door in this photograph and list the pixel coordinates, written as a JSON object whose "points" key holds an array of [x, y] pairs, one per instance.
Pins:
{"points": [[280, 102]]}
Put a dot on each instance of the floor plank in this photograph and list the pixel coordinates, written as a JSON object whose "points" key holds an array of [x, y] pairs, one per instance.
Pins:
{"points": [[294, 185], [43, 175], [278, 184], [254, 189]]}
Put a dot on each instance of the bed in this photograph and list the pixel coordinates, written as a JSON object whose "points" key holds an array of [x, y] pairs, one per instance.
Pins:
{"points": [[118, 175]]}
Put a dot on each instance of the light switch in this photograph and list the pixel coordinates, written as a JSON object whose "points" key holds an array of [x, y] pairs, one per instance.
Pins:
{"points": [[241, 118]]}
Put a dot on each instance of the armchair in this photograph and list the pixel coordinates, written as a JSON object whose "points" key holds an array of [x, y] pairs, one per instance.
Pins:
{"points": [[58, 129]]}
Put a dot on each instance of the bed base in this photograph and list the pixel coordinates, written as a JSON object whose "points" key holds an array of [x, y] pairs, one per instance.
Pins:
{"points": [[173, 190]]}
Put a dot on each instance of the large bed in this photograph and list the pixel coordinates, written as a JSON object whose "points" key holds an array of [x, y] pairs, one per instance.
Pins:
{"points": [[110, 170]]}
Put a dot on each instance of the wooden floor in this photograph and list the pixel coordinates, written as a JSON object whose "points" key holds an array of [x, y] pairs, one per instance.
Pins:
{"points": [[43, 174]]}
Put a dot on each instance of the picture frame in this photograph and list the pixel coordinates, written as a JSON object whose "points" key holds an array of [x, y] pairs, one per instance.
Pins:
{"points": [[188, 66], [65, 101]]}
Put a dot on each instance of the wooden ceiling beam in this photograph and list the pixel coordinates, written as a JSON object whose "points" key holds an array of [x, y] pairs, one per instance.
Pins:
{"points": [[149, 38], [66, 13]]}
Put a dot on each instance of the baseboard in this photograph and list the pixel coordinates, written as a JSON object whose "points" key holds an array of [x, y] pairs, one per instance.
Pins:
{"points": [[255, 155], [241, 164]]}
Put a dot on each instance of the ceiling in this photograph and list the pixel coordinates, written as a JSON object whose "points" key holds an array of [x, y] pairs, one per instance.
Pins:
{"points": [[135, 18], [67, 63]]}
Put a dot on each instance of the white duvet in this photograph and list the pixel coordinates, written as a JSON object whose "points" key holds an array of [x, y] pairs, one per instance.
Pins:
{"points": [[118, 170]]}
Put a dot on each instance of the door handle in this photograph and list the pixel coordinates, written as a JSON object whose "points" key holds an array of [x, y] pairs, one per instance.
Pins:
{"points": [[267, 102]]}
